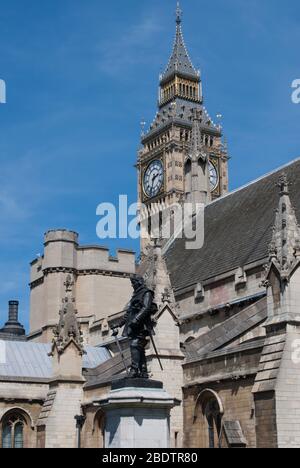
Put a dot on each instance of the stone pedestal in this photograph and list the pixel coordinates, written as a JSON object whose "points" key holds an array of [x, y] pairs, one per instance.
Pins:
{"points": [[137, 414]]}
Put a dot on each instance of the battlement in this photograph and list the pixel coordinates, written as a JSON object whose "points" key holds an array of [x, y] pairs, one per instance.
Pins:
{"points": [[62, 251], [61, 235], [99, 258]]}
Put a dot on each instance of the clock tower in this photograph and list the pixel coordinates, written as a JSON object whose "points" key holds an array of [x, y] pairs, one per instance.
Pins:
{"points": [[183, 157]]}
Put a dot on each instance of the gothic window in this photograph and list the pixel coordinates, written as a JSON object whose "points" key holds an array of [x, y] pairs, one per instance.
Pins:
{"points": [[98, 434], [13, 431], [213, 418], [208, 416]]}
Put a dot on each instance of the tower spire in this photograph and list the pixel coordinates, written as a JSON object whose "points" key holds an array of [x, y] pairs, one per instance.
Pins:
{"points": [[178, 14], [180, 62]]}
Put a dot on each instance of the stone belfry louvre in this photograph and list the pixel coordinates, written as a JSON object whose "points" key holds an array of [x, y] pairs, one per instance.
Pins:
{"points": [[164, 163]]}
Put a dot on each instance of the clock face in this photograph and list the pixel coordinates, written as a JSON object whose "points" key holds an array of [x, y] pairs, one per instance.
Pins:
{"points": [[213, 176], [153, 178]]}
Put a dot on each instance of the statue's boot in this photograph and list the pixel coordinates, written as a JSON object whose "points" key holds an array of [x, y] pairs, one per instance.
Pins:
{"points": [[144, 369]]}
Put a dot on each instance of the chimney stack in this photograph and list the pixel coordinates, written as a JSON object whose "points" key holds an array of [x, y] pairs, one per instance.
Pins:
{"points": [[13, 328], [13, 311]]}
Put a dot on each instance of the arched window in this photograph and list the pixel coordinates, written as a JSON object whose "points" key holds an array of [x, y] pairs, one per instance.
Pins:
{"points": [[208, 415], [99, 429], [214, 423], [13, 431]]}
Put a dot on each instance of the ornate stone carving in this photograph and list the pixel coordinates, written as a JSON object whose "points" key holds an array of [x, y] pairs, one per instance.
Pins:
{"points": [[284, 248], [68, 329]]}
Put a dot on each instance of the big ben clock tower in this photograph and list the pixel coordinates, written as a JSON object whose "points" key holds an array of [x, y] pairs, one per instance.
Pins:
{"points": [[181, 128]]}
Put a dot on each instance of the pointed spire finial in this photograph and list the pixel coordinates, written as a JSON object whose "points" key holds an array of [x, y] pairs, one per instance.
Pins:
{"points": [[143, 126], [179, 62], [284, 184], [178, 14]]}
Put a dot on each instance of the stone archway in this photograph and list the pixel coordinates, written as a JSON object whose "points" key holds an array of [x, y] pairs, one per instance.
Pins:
{"points": [[208, 413]]}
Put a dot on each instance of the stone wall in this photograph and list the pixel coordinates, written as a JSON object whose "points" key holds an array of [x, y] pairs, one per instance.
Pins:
{"points": [[60, 425], [288, 392], [238, 404], [266, 428]]}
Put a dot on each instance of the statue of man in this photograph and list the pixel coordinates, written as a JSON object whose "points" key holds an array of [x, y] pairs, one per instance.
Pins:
{"points": [[138, 325]]}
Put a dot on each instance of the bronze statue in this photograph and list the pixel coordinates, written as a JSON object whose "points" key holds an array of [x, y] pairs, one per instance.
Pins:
{"points": [[138, 325]]}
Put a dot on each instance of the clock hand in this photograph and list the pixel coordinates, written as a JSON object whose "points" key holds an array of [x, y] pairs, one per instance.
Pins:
{"points": [[154, 177]]}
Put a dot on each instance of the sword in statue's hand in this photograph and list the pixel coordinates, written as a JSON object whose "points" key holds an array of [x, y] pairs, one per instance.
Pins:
{"points": [[115, 335]]}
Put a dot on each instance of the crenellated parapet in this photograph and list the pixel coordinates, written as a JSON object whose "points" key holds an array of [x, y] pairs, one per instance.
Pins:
{"points": [[96, 275]]}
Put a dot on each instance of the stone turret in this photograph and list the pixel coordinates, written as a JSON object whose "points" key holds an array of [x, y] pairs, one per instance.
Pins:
{"points": [[94, 271]]}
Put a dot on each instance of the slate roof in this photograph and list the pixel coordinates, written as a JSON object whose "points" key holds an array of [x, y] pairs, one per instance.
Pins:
{"points": [[180, 61], [180, 112], [31, 360], [238, 230], [109, 370], [228, 331]]}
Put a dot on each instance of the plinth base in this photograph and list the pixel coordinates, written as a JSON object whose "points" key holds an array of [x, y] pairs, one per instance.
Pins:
{"points": [[137, 414]]}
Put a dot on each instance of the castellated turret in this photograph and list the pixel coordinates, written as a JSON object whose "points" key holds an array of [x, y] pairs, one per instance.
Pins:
{"points": [[60, 249], [97, 275]]}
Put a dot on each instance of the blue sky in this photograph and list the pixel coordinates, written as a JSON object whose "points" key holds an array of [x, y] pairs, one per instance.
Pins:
{"points": [[82, 74]]}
